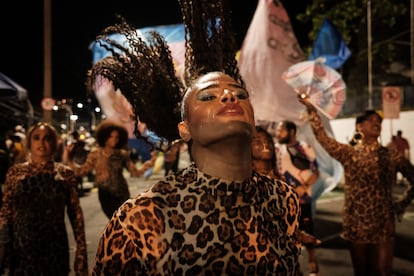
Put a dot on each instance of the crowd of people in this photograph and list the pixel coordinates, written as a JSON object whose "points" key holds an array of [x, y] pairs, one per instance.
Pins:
{"points": [[241, 207]]}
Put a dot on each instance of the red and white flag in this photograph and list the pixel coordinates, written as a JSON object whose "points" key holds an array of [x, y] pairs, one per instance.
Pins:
{"points": [[270, 48]]}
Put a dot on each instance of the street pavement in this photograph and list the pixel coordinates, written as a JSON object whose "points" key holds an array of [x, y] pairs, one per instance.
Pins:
{"points": [[332, 254]]}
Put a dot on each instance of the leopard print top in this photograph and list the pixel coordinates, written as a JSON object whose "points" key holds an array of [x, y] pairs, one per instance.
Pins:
{"points": [[32, 218], [370, 172], [193, 224]]}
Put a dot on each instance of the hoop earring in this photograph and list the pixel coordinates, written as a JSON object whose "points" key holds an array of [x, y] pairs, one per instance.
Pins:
{"points": [[357, 138]]}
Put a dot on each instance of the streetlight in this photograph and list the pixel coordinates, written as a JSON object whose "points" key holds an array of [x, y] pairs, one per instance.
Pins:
{"points": [[64, 104]]}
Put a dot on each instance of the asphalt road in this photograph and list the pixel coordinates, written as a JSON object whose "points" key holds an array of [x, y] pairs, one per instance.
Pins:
{"points": [[332, 254]]}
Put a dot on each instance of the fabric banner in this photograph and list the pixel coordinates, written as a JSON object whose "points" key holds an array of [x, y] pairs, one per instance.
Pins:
{"points": [[173, 35], [113, 103], [391, 102], [330, 45], [269, 48]]}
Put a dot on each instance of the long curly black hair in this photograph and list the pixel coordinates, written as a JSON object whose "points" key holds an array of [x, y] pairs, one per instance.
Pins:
{"points": [[144, 70], [210, 40]]}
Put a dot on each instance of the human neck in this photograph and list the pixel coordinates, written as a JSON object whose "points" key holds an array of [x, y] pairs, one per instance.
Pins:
{"points": [[292, 142], [229, 159], [370, 141], [262, 166], [39, 159]]}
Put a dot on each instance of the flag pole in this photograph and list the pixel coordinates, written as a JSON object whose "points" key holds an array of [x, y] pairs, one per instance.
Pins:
{"points": [[369, 54], [412, 40], [47, 68]]}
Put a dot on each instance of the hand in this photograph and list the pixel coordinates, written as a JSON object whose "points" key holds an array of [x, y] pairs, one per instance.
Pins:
{"points": [[305, 100], [301, 190]]}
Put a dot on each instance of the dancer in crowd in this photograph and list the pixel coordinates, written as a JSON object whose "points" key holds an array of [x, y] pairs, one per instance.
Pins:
{"points": [[263, 153], [108, 161], [297, 164], [216, 216], [370, 211], [264, 162], [33, 236]]}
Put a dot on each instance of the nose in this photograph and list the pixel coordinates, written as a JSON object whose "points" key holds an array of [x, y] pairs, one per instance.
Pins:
{"points": [[228, 97]]}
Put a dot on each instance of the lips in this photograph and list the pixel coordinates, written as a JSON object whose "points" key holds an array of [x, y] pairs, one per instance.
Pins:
{"points": [[231, 109]]}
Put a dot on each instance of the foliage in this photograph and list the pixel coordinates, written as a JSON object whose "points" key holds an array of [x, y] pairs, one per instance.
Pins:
{"points": [[390, 34], [350, 16]]}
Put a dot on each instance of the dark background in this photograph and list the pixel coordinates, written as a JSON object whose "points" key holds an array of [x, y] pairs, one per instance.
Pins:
{"points": [[75, 24]]}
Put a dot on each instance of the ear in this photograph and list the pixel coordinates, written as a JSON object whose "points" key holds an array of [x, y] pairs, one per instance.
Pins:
{"points": [[184, 132]]}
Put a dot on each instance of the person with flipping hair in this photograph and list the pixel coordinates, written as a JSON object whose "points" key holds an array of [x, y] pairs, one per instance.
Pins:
{"points": [[37, 192], [217, 216], [108, 161], [370, 211]]}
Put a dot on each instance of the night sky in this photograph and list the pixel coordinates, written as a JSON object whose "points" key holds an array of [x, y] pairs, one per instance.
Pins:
{"points": [[76, 24]]}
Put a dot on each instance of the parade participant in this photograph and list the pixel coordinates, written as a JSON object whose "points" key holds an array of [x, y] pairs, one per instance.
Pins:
{"points": [[33, 236], [216, 216], [297, 164], [263, 153], [108, 161], [370, 211], [402, 144]]}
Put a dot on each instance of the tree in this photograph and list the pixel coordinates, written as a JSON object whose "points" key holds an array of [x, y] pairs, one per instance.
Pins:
{"points": [[390, 36]]}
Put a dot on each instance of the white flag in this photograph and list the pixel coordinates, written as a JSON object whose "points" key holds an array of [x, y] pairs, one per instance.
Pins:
{"points": [[269, 48]]}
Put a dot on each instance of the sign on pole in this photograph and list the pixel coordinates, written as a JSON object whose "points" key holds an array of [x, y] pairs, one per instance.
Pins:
{"points": [[391, 102]]}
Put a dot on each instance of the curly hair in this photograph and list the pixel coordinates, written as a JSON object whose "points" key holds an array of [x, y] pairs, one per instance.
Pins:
{"points": [[210, 40], [144, 73], [144, 70], [104, 130]]}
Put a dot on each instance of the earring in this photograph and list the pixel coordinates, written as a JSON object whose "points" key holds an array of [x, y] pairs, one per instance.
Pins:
{"points": [[357, 138]]}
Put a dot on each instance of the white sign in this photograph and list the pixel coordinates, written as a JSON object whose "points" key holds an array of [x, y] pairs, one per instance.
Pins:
{"points": [[47, 103], [391, 102]]}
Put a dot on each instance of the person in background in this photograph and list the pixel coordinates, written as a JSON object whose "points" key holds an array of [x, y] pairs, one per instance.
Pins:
{"points": [[5, 163], [108, 161], [370, 211], [172, 157], [297, 164], [217, 216], [37, 192], [402, 144], [264, 162], [77, 155], [263, 153]]}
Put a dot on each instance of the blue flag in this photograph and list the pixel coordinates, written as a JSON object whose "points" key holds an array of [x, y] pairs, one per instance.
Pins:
{"points": [[330, 45], [173, 35]]}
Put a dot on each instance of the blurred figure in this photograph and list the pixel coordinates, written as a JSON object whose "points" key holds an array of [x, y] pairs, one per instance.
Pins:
{"points": [[77, 155], [33, 236], [370, 211], [402, 144], [5, 163], [297, 164], [108, 161], [19, 152], [172, 157]]}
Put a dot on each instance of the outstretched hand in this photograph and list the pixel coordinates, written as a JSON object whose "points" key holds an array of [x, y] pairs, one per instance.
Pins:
{"points": [[305, 100]]}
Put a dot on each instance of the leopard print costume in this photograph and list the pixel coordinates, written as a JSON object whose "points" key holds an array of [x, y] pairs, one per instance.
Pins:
{"points": [[193, 224], [370, 172], [32, 218]]}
